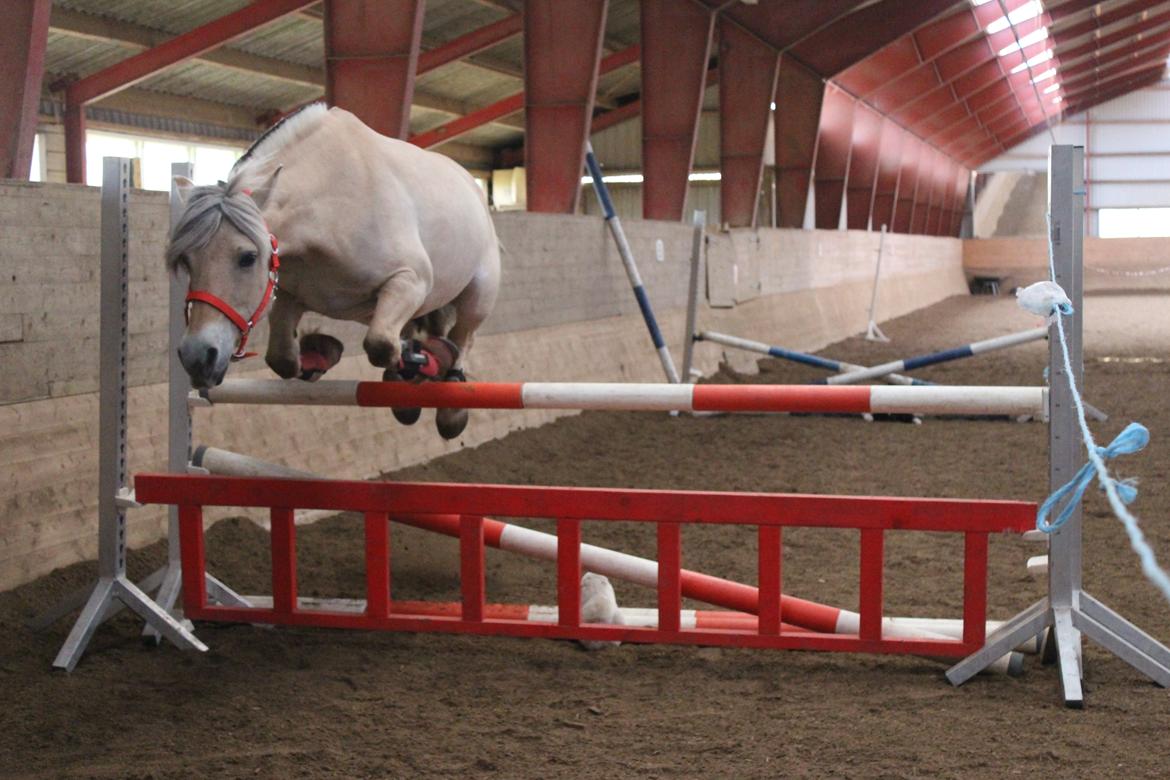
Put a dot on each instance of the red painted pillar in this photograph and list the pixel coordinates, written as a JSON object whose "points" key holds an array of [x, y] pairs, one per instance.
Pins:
{"points": [[676, 45], [371, 55], [940, 213], [23, 37], [748, 71], [833, 148], [962, 192], [562, 53], [907, 182], [799, 93], [74, 140], [926, 166], [885, 186], [863, 162]]}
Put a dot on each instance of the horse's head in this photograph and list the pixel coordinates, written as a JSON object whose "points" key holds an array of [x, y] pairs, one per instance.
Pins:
{"points": [[223, 244]]}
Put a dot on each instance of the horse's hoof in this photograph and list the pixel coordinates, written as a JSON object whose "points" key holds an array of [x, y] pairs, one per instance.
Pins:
{"points": [[451, 422], [407, 416], [383, 354], [319, 353]]}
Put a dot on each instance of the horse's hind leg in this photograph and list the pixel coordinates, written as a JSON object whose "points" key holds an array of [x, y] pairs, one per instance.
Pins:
{"points": [[472, 307]]}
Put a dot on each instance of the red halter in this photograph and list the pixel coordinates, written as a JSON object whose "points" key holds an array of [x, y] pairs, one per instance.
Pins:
{"points": [[244, 325]]}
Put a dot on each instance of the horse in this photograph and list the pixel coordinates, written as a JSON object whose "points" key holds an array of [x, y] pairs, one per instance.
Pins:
{"points": [[323, 214]]}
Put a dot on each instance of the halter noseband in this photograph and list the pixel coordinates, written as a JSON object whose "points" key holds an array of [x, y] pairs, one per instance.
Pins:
{"points": [[243, 325]]}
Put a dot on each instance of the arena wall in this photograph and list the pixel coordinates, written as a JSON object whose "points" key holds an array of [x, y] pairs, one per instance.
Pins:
{"points": [[565, 313], [1111, 264]]}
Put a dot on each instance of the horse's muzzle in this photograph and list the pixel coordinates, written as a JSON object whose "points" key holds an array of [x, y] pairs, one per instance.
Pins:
{"points": [[204, 363]]}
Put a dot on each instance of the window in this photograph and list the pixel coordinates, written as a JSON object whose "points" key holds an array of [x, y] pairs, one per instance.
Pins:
{"points": [[1133, 223], [36, 171], [211, 162]]}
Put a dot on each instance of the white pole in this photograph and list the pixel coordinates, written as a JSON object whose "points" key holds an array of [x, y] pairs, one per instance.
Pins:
{"points": [[873, 332]]}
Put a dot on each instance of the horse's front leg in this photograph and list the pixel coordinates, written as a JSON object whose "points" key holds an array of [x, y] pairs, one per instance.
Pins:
{"points": [[284, 354], [398, 299]]}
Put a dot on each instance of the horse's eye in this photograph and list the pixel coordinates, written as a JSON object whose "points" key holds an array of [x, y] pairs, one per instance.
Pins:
{"points": [[247, 259]]}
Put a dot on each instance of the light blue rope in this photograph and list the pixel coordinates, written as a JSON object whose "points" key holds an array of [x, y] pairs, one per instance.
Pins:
{"points": [[1133, 438]]}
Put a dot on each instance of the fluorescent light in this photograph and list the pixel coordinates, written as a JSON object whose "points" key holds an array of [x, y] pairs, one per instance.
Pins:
{"points": [[1058, 99], [1051, 88], [1027, 11], [637, 178], [773, 105], [978, 3]]}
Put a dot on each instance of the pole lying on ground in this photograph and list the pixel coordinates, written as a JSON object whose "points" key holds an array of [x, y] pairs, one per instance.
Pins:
{"points": [[798, 357], [743, 599], [619, 237], [958, 353]]}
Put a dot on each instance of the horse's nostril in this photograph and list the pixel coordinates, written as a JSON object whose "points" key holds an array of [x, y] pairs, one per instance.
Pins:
{"points": [[210, 357]]}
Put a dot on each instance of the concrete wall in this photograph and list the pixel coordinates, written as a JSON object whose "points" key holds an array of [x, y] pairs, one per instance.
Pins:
{"points": [[1110, 263], [565, 313]]}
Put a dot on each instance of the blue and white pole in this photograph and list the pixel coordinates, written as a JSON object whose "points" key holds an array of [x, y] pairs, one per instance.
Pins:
{"points": [[958, 353], [798, 357], [619, 237]]}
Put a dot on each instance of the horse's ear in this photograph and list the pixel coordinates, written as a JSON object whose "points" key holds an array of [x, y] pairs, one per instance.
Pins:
{"points": [[262, 193], [183, 187]]}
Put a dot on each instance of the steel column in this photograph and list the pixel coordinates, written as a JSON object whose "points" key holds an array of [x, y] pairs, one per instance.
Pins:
{"points": [[863, 163], [799, 94], [885, 186], [921, 202], [562, 54], [748, 70], [371, 57], [833, 149], [676, 45], [912, 153], [22, 63]]}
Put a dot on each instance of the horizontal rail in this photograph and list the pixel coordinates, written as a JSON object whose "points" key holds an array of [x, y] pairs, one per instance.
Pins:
{"points": [[945, 356], [617, 504], [817, 361], [968, 400]]}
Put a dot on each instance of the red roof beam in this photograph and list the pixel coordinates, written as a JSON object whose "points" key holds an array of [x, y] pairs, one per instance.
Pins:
{"points": [[1126, 65], [473, 42], [449, 131], [1066, 32], [190, 44], [1138, 29], [1137, 51]]}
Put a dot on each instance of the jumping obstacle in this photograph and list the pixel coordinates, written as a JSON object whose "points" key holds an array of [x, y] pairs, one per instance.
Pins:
{"points": [[468, 505], [816, 361], [1066, 608], [627, 255], [803, 614], [944, 356], [973, 400]]}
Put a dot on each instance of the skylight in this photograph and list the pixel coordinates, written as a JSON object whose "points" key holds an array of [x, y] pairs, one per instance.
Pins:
{"points": [[1043, 56], [1029, 10], [1033, 37]]}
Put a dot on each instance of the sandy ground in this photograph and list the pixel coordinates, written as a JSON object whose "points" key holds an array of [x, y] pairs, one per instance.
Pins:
{"points": [[308, 703]]}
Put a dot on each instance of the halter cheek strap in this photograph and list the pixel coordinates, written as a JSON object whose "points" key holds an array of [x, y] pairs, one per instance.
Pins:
{"points": [[244, 326]]}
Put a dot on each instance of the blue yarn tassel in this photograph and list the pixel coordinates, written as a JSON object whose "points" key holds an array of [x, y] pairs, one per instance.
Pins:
{"points": [[1133, 439]]}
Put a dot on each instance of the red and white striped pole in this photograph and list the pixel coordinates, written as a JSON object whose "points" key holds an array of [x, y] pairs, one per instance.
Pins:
{"points": [[973, 400]]}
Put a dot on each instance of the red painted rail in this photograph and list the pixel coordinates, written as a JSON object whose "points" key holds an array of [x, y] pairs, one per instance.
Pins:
{"points": [[669, 510]]}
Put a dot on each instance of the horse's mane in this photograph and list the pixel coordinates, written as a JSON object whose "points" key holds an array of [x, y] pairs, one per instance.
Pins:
{"points": [[264, 149], [208, 206]]}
